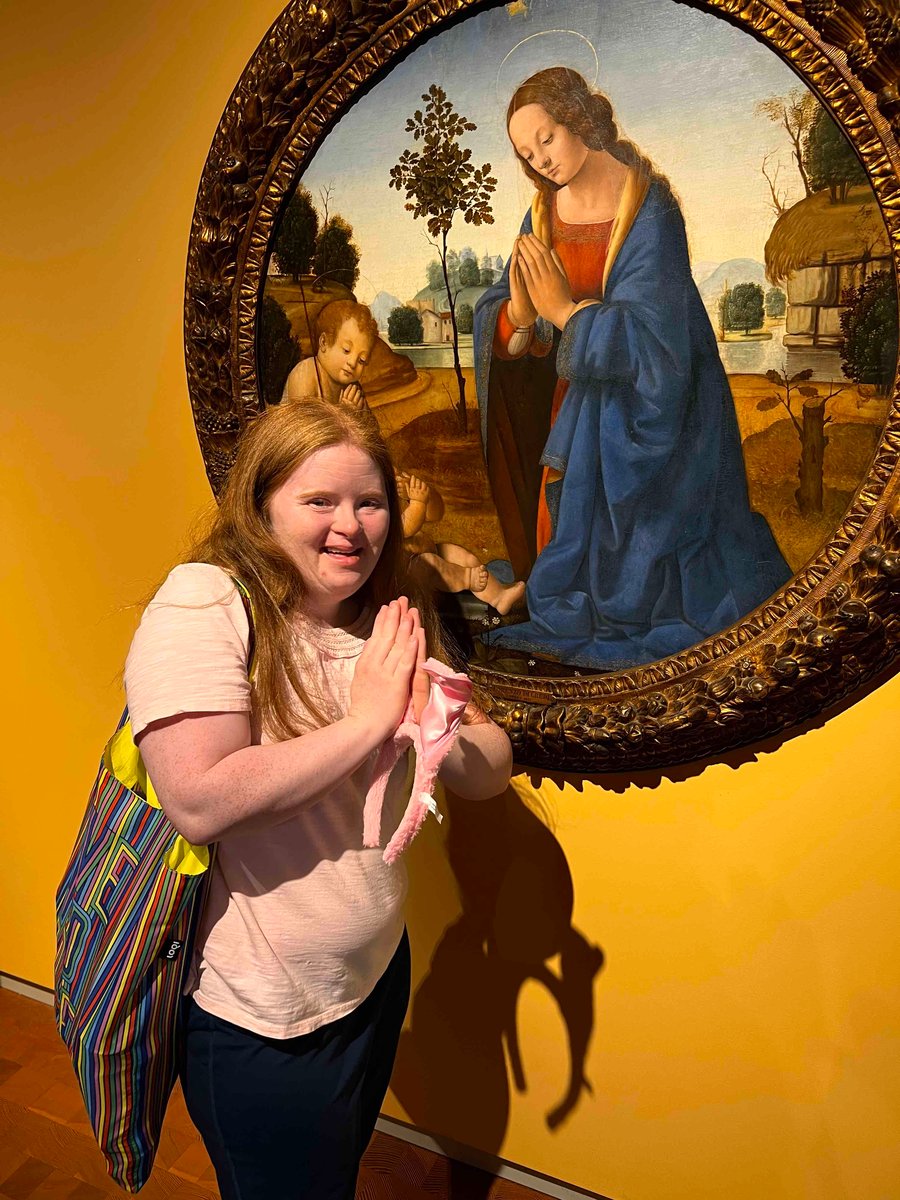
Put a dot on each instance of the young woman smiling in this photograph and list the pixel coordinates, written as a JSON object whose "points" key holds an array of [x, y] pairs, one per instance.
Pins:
{"points": [[300, 976]]}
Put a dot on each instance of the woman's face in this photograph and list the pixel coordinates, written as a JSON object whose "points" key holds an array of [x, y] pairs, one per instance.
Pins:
{"points": [[331, 516], [548, 148]]}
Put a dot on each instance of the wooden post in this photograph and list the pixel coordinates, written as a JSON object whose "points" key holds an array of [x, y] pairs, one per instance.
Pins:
{"points": [[810, 493]]}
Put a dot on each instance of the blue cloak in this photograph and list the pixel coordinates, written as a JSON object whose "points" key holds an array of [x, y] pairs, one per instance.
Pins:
{"points": [[654, 546]]}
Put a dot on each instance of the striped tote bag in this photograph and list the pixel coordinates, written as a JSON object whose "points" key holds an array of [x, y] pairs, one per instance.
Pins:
{"points": [[126, 912]]}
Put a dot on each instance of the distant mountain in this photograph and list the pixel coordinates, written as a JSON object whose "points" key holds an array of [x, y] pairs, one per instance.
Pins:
{"points": [[736, 270], [702, 271], [381, 307]]}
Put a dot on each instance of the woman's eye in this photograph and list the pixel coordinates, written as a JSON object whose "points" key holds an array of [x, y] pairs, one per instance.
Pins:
{"points": [[318, 502], [548, 140]]}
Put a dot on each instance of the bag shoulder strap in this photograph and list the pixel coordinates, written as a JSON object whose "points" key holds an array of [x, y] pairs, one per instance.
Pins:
{"points": [[247, 601], [122, 759]]}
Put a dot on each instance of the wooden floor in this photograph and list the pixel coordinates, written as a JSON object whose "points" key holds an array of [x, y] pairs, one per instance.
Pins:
{"points": [[47, 1151]]}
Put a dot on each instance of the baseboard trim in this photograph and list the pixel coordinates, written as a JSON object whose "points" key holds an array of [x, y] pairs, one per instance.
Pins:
{"points": [[500, 1168], [32, 990]]}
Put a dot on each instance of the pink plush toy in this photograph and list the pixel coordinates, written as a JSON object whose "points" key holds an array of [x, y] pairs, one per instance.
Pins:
{"points": [[432, 737]]}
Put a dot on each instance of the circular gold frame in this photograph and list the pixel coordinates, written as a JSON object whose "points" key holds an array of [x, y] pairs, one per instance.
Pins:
{"points": [[835, 625]]}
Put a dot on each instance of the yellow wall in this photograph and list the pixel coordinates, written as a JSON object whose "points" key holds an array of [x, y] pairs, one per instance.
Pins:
{"points": [[745, 1038]]}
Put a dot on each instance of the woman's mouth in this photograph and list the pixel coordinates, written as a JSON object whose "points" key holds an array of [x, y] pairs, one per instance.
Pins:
{"points": [[345, 552]]}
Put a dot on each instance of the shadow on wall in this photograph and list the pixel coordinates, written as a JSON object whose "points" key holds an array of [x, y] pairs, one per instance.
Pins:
{"points": [[517, 898]]}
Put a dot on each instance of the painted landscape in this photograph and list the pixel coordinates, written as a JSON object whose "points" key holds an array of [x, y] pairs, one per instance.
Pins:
{"points": [[788, 250]]}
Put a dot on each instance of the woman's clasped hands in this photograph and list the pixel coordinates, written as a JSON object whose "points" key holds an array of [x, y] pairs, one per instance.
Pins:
{"points": [[388, 670], [538, 284]]}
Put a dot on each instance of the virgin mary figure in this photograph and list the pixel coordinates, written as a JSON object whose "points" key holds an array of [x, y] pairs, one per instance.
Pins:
{"points": [[609, 429]]}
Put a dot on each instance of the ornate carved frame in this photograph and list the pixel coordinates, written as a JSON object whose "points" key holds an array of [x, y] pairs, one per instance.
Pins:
{"points": [[835, 625]]}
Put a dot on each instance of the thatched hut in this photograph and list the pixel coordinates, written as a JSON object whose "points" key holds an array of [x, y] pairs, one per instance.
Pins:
{"points": [[816, 251]]}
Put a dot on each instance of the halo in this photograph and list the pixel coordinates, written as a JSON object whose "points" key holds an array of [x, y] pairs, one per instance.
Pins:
{"points": [[501, 100]]}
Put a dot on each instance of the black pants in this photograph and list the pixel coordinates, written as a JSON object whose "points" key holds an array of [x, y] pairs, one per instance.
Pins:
{"points": [[289, 1119]]}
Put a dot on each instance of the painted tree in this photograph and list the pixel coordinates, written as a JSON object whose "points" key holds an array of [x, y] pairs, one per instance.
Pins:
{"points": [[441, 183], [453, 269], [810, 426], [435, 275], [337, 255], [741, 307], [405, 327], [295, 241], [778, 196], [465, 318], [469, 274], [776, 302], [794, 112], [830, 160], [277, 349], [869, 326]]}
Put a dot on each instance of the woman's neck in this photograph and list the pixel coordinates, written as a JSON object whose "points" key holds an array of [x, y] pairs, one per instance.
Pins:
{"points": [[594, 193], [336, 616]]}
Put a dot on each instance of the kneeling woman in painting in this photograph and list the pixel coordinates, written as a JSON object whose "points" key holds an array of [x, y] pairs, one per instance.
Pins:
{"points": [[300, 978], [614, 455]]}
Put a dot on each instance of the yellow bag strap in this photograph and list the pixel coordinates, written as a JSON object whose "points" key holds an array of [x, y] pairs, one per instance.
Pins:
{"points": [[122, 759]]}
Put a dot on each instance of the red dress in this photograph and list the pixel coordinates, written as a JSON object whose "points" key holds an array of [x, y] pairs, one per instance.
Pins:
{"points": [[582, 250]]}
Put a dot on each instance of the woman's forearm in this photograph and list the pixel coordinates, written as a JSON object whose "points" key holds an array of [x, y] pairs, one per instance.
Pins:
{"points": [[206, 795], [480, 763]]}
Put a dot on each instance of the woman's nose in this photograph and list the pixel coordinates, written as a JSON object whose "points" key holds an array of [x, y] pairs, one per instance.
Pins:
{"points": [[345, 519], [545, 164]]}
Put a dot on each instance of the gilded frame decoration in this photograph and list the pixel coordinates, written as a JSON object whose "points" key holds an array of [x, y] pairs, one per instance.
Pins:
{"points": [[835, 625]]}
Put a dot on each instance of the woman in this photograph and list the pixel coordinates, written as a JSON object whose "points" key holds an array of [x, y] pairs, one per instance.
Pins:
{"points": [[596, 348], [300, 978]]}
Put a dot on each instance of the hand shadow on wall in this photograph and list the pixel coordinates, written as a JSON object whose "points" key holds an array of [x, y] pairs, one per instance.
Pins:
{"points": [[517, 899]]}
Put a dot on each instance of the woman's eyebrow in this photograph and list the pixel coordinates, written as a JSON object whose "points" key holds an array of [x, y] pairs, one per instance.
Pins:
{"points": [[540, 132]]}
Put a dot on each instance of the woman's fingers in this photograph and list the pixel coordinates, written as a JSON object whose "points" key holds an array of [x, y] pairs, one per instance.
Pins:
{"points": [[527, 266], [533, 263], [539, 256], [383, 678], [384, 631]]}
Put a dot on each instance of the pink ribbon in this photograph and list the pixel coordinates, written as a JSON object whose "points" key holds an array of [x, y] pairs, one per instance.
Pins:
{"points": [[432, 737]]}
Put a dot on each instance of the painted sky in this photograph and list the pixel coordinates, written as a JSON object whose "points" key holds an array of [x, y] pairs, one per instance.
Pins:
{"points": [[683, 85]]}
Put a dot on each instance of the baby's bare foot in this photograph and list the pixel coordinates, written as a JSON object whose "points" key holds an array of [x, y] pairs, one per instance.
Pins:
{"points": [[513, 594], [501, 596], [478, 578]]}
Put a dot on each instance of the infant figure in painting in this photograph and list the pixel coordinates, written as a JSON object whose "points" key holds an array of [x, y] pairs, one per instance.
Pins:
{"points": [[445, 566], [346, 334]]}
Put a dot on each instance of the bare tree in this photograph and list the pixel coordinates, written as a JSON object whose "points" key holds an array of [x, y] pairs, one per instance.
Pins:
{"points": [[810, 427], [325, 195], [795, 113], [778, 203]]}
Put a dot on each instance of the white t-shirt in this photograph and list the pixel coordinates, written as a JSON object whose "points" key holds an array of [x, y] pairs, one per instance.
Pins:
{"points": [[301, 919]]}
